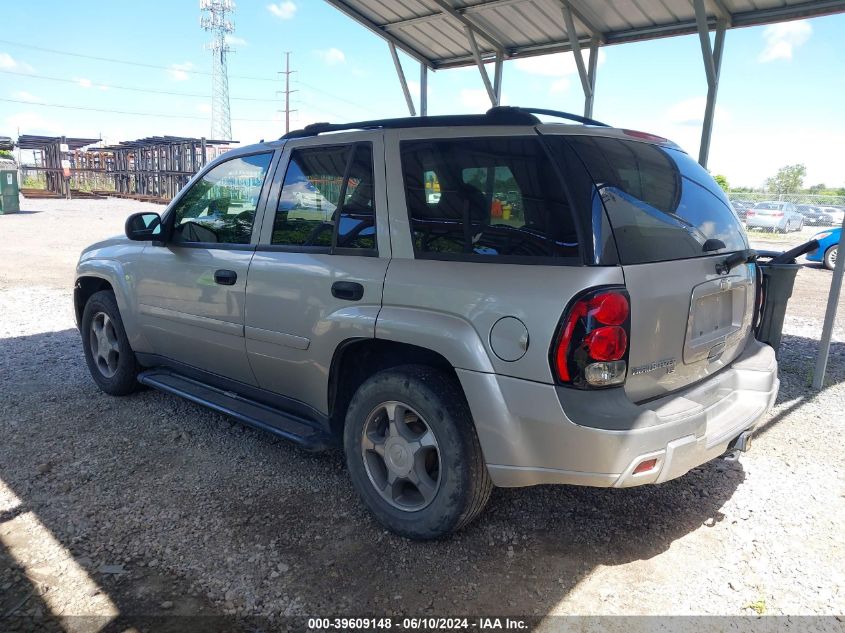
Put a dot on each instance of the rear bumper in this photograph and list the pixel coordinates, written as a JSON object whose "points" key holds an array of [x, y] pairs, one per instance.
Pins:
{"points": [[755, 222], [528, 438]]}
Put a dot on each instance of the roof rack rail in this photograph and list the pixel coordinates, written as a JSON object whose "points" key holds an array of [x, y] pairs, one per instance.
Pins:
{"points": [[501, 115], [555, 113], [514, 117]]}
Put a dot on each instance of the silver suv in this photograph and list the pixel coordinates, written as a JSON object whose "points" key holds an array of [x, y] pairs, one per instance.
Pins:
{"points": [[461, 302]]}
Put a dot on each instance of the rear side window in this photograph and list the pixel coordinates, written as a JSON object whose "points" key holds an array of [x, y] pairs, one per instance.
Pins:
{"points": [[662, 205], [492, 199], [310, 212]]}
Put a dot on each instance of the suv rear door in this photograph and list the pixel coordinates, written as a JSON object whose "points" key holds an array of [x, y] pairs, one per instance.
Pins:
{"points": [[672, 225]]}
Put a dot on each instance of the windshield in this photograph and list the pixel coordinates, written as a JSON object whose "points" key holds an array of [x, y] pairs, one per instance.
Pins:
{"points": [[771, 206], [661, 204]]}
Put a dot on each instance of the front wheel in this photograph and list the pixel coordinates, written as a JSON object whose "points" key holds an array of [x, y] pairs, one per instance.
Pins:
{"points": [[110, 358], [830, 257], [413, 453]]}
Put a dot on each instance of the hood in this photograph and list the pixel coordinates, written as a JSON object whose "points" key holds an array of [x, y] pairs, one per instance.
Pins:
{"points": [[107, 248]]}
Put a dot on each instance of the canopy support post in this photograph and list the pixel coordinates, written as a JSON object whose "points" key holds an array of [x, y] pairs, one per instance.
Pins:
{"points": [[575, 45], [476, 53], [712, 57], [423, 90], [497, 77], [829, 319], [591, 76], [402, 80]]}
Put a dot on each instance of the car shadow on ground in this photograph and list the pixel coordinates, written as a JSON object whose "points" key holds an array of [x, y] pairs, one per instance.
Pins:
{"points": [[200, 515]]}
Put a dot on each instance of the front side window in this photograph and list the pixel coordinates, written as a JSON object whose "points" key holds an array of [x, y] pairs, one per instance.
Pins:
{"points": [[220, 206], [310, 212], [493, 198]]}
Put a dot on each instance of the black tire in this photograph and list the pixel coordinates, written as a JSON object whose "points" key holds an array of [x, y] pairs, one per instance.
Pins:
{"points": [[464, 484], [122, 378], [830, 257]]}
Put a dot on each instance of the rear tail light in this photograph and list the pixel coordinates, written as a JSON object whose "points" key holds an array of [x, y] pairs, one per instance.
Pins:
{"points": [[591, 347], [749, 212]]}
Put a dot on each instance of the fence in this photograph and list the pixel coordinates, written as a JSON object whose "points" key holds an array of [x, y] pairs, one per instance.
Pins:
{"points": [[816, 200]]}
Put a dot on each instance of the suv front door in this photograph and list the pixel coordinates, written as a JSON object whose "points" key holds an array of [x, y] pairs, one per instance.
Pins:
{"points": [[318, 273], [191, 291]]}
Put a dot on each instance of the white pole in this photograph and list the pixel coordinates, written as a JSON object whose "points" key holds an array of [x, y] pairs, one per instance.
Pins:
{"points": [[829, 320]]}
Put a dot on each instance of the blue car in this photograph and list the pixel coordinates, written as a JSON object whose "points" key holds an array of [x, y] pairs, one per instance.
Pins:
{"points": [[828, 245]]}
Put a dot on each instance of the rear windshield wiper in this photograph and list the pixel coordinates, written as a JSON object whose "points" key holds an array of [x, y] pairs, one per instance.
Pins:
{"points": [[732, 261]]}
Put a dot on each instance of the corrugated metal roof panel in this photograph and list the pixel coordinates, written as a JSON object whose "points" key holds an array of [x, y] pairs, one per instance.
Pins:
{"points": [[434, 31]]}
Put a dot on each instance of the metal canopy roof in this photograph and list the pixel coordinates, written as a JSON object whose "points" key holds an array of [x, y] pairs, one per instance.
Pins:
{"points": [[32, 141], [434, 32]]}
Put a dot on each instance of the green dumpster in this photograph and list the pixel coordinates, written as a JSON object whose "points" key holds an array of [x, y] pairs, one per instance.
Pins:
{"points": [[9, 201]]}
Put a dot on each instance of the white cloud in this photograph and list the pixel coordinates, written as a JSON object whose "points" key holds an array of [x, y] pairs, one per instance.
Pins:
{"points": [[204, 108], [691, 112], [179, 72], [284, 10], [782, 39], [234, 40], [87, 83], [560, 85], [7, 62], [23, 95], [332, 56], [476, 100], [32, 123], [554, 65]]}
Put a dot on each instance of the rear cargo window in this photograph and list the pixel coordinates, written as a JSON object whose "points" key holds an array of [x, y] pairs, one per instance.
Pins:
{"points": [[489, 199], [662, 205]]}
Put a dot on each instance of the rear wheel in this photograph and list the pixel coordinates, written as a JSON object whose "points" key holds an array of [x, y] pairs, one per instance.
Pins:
{"points": [[413, 454], [109, 356], [830, 257]]}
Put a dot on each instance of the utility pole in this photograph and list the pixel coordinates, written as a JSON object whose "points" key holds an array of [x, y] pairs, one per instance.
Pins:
{"points": [[287, 72]]}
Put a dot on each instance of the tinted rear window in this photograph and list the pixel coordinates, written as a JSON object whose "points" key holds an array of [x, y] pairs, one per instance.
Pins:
{"points": [[489, 199], [662, 205]]}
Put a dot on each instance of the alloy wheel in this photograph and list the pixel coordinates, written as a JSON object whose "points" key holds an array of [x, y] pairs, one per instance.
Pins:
{"points": [[105, 347], [401, 456]]}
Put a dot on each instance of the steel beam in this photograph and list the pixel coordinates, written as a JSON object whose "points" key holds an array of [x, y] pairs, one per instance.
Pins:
{"points": [[575, 45], [468, 24], [341, 6], [829, 320], [591, 76], [423, 90], [712, 57], [497, 78], [480, 63], [408, 100]]}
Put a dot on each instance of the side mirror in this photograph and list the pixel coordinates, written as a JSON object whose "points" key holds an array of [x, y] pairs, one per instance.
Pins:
{"points": [[143, 227]]}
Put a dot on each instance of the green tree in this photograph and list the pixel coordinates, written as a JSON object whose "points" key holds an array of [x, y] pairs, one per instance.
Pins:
{"points": [[789, 179], [817, 188], [4, 153], [722, 181]]}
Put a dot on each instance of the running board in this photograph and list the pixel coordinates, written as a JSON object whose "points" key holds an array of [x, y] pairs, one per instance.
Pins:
{"points": [[248, 411]]}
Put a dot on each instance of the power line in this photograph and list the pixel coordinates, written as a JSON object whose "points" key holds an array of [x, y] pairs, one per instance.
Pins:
{"points": [[118, 87], [195, 72], [123, 61], [155, 114]]}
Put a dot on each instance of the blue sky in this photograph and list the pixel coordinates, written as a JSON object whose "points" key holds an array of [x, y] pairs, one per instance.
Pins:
{"points": [[781, 97]]}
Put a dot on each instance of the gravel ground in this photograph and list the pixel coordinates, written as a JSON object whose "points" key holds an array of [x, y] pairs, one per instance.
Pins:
{"points": [[151, 505]]}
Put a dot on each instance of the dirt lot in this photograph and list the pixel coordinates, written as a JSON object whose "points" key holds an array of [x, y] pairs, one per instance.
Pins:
{"points": [[149, 505]]}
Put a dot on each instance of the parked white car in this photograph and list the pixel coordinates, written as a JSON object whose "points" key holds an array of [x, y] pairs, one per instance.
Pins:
{"points": [[775, 216]]}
